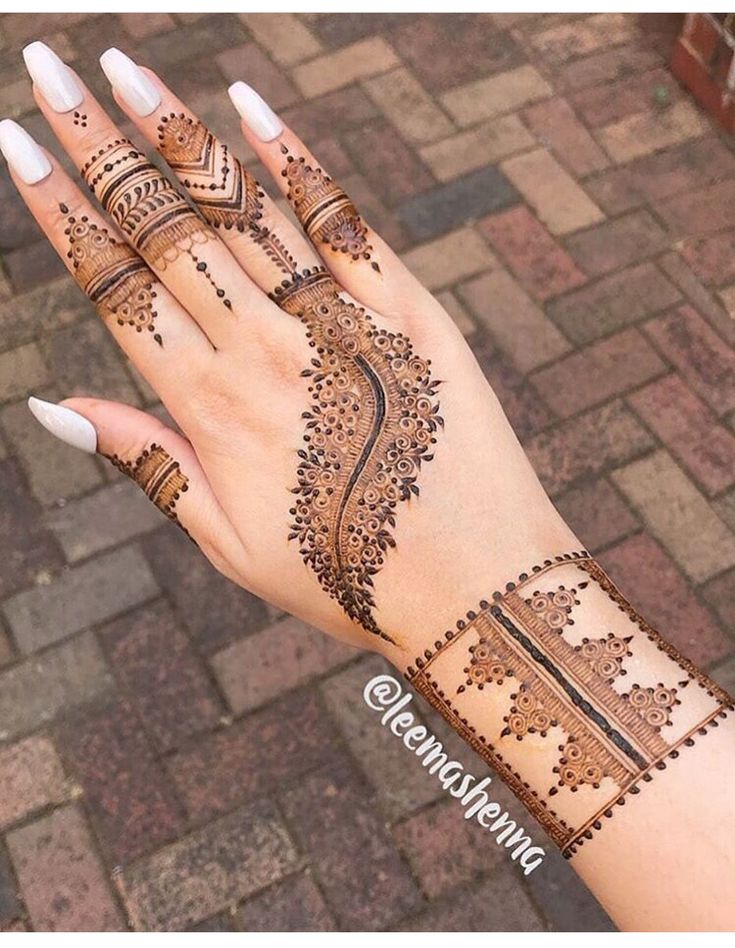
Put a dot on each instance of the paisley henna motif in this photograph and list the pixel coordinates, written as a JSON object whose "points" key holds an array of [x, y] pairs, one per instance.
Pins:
{"points": [[371, 425]]}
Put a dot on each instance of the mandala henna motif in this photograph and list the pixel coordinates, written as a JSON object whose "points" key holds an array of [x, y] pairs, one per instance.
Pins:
{"points": [[158, 475], [112, 275], [372, 421], [531, 671], [324, 210]]}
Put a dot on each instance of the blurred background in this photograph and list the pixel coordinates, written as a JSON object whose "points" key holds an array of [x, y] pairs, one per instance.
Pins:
{"points": [[174, 753]]}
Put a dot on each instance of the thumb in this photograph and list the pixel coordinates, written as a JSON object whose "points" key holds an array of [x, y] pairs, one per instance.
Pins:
{"points": [[161, 462]]}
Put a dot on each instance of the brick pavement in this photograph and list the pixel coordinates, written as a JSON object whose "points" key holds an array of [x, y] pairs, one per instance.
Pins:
{"points": [[575, 212]]}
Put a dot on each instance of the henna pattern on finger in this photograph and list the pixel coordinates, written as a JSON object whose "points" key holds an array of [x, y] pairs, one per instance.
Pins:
{"points": [[526, 674], [111, 274], [158, 475], [373, 419], [324, 210]]}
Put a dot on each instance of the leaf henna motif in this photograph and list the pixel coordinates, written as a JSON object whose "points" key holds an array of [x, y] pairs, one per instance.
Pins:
{"points": [[372, 421]]}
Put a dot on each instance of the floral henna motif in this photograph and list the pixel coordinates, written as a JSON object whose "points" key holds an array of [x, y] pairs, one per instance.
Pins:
{"points": [[531, 671], [112, 275], [371, 424], [324, 210], [158, 475]]}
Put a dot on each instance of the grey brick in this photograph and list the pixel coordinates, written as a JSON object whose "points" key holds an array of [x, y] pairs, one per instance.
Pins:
{"points": [[44, 309], [564, 899]]}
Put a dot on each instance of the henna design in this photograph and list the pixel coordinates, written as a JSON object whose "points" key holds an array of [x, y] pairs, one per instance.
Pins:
{"points": [[159, 476], [371, 424], [532, 676], [324, 210], [112, 275], [80, 118]]}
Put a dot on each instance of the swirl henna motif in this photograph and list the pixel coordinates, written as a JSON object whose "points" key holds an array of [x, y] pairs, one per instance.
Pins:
{"points": [[527, 674], [373, 419]]}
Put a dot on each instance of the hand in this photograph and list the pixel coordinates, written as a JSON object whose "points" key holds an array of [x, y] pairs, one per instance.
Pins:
{"points": [[342, 454]]}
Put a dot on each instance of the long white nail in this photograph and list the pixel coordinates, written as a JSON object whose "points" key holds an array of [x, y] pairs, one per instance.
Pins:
{"points": [[24, 155], [130, 82], [255, 112], [57, 82], [66, 425]]}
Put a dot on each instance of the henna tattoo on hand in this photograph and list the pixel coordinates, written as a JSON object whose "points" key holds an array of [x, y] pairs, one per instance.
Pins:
{"points": [[112, 275], [158, 475], [525, 673], [324, 210], [373, 419]]}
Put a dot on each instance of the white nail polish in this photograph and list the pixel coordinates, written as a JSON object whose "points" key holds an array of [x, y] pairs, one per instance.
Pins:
{"points": [[66, 425], [255, 112], [25, 156], [57, 82], [130, 82]]}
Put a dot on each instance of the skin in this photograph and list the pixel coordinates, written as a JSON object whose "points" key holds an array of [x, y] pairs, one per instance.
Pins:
{"points": [[231, 377]]}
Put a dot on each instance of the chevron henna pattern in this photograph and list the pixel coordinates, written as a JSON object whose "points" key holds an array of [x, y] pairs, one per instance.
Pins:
{"points": [[373, 420]]}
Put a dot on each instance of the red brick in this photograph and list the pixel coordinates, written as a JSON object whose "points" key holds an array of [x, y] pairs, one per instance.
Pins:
{"points": [[712, 258], [554, 124], [295, 905], [529, 250], [598, 373], [128, 796], [675, 267], [719, 593], [586, 446], [689, 430], [31, 777], [703, 211], [526, 412], [617, 243], [267, 663], [390, 166], [60, 876], [254, 757], [607, 67], [166, 683], [601, 105], [597, 514], [701, 357], [654, 585], [354, 859]]}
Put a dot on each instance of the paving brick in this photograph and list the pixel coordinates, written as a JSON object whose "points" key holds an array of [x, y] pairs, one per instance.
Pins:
{"points": [[28, 548], [543, 267], [712, 258], [252, 670], [10, 907], [597, 514], [565, 900], [165, 681], [586, 446], [598, 373], [706, 364], [413, 112], [54, 470], [675, 267], [105, 518], [606, 67], [21, 371], [287, 39], [646, 132], [725, 508], [603, 105], [719, 593], [581, 37], [34, 691], [450, 258], [556, 126], [464, 322], [724, 675], [223, 922], [376, 214], [650, 579], [453, 204], [130, 801], [613, 302], [208, 870], [526, 412], [557, 199], [617, 243], [31, 777], [270, 749], [497, 904], [678, 515], [484, 99], [249, 60], [390, 166], [344, 29], [78, 598], [142, 25], [24, 265], [516, 323], [689, 430], [60, 875], [704, 211], [354, 860], [487, 143], [315, 119], [334, 70], [214, 610], [197, 40], [294, 905]]}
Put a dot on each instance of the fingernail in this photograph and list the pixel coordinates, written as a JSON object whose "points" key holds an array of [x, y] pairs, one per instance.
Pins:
{"points": [[255, 112], [57, 82], [25, 156], [130, 82], [66, 425]]}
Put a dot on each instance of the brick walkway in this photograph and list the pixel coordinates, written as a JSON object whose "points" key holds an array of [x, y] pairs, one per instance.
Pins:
{"points": [[575, 210]]}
